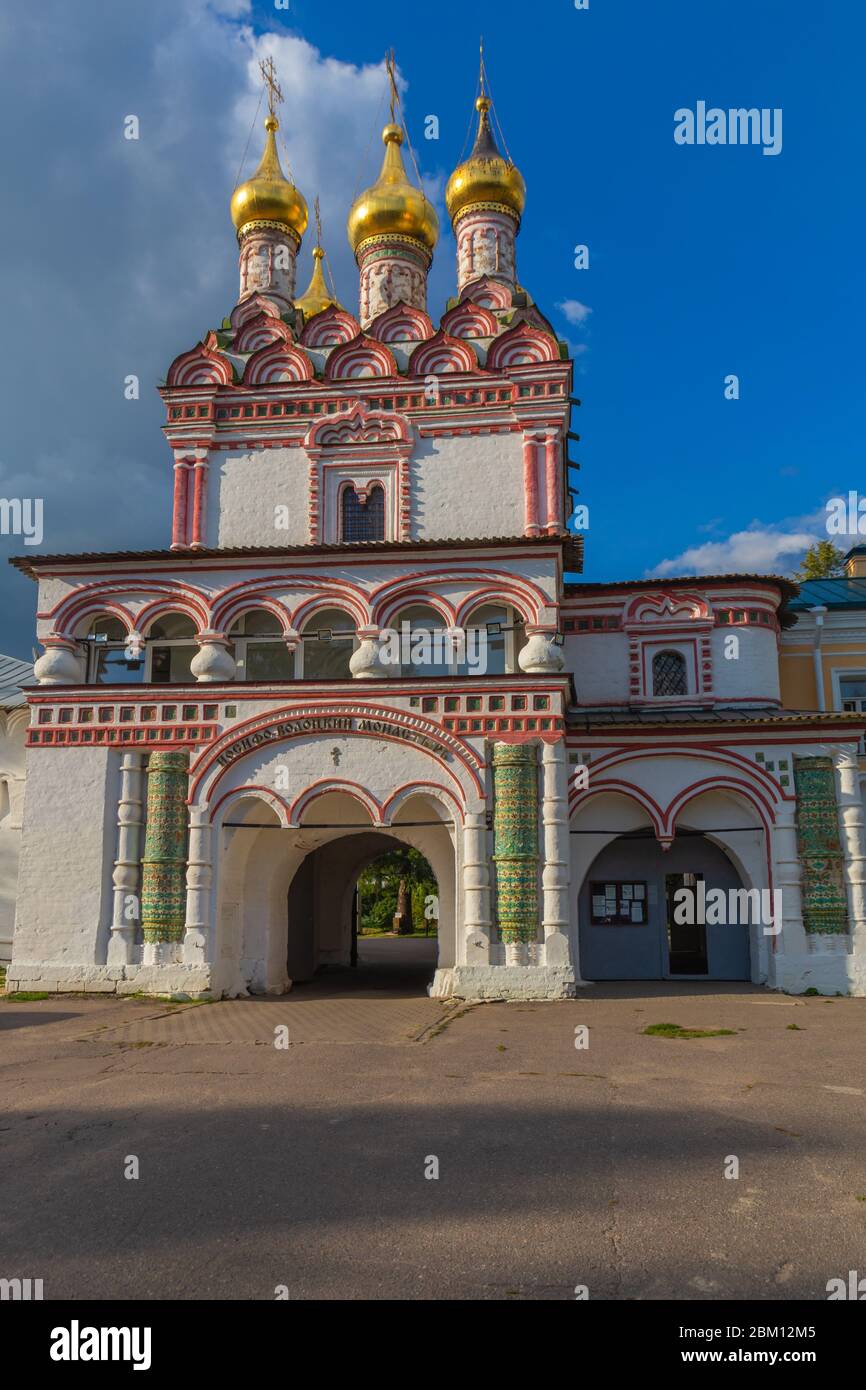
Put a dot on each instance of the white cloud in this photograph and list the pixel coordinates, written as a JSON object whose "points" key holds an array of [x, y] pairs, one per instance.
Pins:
{"points": [[574, 311], [759, 550], [124, 250]]}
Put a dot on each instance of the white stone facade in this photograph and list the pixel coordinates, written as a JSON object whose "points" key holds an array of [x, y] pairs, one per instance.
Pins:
{"points": [[221, 736]]}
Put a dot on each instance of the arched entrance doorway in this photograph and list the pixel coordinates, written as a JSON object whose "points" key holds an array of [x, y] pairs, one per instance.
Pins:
{"points": [[640, 912], [630, 859]]}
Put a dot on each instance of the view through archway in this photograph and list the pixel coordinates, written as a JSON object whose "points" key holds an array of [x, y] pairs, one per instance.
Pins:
{"points": [[387, 896]]}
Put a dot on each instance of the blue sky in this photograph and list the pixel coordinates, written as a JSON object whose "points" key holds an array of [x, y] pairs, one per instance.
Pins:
{"points": [[704, 261]]}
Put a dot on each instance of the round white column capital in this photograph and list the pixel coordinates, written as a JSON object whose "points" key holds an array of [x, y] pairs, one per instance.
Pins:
{"points": [[61, 663], [541, 655], [213, 662]]}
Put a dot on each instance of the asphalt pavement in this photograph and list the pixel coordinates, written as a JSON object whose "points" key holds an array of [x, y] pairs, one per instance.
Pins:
{"points": [[358, 1140]]}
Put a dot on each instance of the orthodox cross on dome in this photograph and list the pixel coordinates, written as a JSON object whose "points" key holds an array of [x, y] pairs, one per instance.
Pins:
{"points": [[390, 67], [269, 77]]}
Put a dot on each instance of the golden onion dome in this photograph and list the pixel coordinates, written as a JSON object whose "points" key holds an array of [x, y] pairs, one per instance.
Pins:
{"points": [[393, 206], [485, 178], [317, 296], [269, 196]]}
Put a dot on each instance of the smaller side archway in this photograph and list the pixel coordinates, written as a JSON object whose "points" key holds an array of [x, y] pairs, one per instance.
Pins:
{"points": [[627, 874]]}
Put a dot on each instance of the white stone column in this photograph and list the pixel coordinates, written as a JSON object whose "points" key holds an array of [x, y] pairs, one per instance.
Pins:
{"points": [[851, 832], [788, 877], [126, 914], [556, 874], [198, 882], [476, 887]]}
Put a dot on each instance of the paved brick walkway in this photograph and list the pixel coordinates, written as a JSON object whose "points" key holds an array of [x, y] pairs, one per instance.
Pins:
{"points": [[384, 1000]]}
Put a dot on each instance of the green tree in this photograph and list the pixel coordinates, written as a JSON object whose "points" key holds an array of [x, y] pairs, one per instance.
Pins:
{"points": [[823, 560], [393, 889]]}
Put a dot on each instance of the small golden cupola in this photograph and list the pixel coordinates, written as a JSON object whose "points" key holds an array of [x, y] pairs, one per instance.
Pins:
{"points": [[392, 228], [486, 197], [317, 296], [270, 216]]}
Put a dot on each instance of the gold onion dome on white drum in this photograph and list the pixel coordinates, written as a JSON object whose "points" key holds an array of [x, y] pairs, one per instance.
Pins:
{"points": [[269, 196], [485, 179], [393, 206]]}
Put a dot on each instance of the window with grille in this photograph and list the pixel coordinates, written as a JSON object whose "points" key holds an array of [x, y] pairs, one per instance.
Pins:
{"points": [[363, 519], [669, 674]]}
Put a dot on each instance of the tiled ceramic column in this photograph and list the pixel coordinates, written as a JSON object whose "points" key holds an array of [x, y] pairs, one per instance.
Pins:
{"points": [[163, 882], [825, 907], [515, 848]]}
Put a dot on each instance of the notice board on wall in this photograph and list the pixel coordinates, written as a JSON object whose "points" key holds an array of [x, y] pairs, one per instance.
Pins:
{"points": [[614, 903]]}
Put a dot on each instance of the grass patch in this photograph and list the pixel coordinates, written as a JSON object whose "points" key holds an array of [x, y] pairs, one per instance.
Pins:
{"points": [[675, 1030], [24, 996], [372, 935]]}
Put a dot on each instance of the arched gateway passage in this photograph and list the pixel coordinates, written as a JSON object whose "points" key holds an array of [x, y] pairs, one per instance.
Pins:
{"points": [[323, 925], [337, 783], [287, 893]]}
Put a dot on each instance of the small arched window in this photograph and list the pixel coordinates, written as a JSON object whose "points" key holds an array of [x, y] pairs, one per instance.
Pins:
{"points": [[171, 627], [669, 674], [172, 648], [328, 641], [363, 517], [260, 649], [425, 647], [112, 658], [5, 800]]}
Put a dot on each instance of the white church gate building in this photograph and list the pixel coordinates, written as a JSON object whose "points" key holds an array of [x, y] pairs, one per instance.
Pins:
{"points": [[368, 629]]}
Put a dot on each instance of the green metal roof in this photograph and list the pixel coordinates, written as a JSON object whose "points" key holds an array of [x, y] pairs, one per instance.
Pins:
{"points": [[13, 673], [831, 593]]}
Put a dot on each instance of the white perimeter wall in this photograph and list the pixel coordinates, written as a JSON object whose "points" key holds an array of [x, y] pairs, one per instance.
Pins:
{"points": [[67, 854], [13, 728]]}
